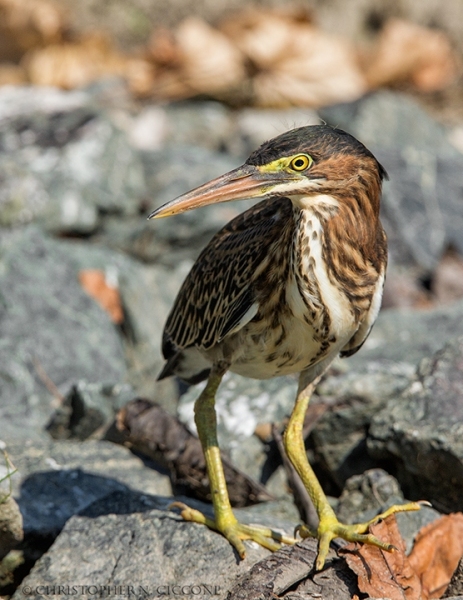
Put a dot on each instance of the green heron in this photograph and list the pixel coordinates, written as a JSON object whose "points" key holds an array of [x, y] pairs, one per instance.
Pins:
{"points": [[283, 288]]}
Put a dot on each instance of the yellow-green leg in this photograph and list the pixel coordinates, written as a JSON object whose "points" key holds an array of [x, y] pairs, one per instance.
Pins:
{"points": [[224, 520], [329, 527]]}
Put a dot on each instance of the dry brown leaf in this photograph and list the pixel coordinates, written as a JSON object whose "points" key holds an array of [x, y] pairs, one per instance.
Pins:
{"points": [[436, 553], [409, 53], [171, 85], [140, 75], [12, 74], [210, 62], [251, 31], [25, 24], [385, 574], [163, 50], [301, 66], [95, 284], [72, 65]]}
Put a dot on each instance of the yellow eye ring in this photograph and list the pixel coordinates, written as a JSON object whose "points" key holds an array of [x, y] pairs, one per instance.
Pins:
{"points": [[300, 162]]}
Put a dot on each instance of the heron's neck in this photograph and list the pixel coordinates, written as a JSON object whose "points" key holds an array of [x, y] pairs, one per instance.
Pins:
{"points": [[347, 246]]}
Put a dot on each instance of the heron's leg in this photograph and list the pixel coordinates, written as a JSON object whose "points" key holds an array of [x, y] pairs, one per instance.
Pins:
{"points": [[224, 520], [329, 527]]}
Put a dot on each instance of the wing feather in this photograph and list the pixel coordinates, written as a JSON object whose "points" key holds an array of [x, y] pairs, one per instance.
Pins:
{"points": [[219, 293]]}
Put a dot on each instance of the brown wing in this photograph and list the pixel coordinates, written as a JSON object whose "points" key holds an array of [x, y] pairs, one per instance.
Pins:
{"points": [[219, 290]]}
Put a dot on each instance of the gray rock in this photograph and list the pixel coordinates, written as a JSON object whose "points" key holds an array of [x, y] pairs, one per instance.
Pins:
{"points": [[456, 583], [421, 431], [51, 335], [148, 293], [339, 437], [11, 525], [241, 404], [213, 126], [144, 547], [87, 408], [205, 124], [421, 208], [170, 172], [356, 391], [408, 336], [59, 479], [63, 163]]}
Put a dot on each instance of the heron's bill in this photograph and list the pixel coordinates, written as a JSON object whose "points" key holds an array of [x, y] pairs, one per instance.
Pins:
{"points": [[246, 181]]}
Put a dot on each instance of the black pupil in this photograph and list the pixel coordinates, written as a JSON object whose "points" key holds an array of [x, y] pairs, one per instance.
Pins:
{"points": [[299, 162]]}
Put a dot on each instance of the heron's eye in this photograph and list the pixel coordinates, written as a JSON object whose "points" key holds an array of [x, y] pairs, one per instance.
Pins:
{"points": [[300, 162]]}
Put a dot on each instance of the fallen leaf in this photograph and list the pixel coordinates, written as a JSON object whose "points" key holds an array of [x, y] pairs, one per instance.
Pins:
{"points": [[210, 62], [11, 74], [140, 75], [95, 284], [384, 574], [162, 48], [25, 24], [407, 52], [436, 553], [71, 65], [302, 66]]}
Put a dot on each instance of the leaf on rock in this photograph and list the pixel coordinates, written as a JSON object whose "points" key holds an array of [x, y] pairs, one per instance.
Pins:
{"points": [[436, 553], [96, 285], [384, 574]]}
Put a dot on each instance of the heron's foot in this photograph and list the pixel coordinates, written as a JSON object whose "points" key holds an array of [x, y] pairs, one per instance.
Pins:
{"points": [[234, 531], [330, 528]]}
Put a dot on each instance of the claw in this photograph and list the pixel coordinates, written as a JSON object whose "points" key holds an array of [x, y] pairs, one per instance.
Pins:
{"points": [[236, 532], [330, 528]]}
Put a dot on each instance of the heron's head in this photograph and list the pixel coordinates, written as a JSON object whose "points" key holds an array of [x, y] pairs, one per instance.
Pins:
{"points": [[302, 164]]}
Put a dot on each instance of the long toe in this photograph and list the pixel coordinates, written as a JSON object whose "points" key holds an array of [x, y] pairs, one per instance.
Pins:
{"points": [[236, 532], [330, 528]]}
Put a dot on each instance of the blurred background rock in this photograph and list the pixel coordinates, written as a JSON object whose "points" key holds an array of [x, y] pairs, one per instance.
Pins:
{"points": [[107, 110]]}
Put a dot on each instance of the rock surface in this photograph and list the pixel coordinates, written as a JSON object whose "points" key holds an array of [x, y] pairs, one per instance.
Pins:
{"points": [[144, 546], [63, 163], [11, 525], [52, 334], [339, 440], [69, 168], [421, 430], [57, 480], [408, 336]]}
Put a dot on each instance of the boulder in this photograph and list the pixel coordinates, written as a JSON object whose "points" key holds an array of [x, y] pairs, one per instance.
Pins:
{"points": [[52, 334], [63, 163], [421, 431]]}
